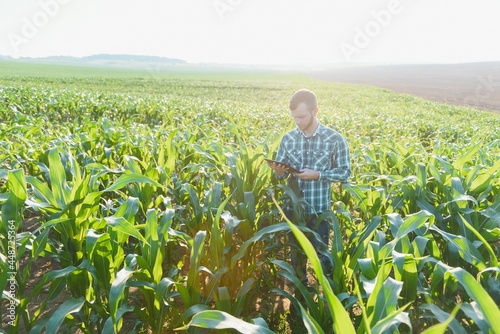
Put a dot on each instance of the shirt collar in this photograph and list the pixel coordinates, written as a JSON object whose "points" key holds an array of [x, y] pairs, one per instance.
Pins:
{"points": [[316, 132]]}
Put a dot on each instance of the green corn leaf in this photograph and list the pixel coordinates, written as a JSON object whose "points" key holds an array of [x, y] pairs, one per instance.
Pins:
{"points": [[89, 206], [413, 222], [386, 299], [162, 288], [153, 250], [116, 293], [71, 305], [476, 316], [40, 243], [477, 181], [126, 179], [457, 188], [359, 244], [465, 248], [410, 224], [171, 152], [185, 295], [79, 187], [223, 301], [405, 270], [421, 175], [365, 323], [216, 195], [341, 320], [490, 310], [395, 318], [99, 253], [42, 191], [493, 257], [367, 268], [338, 252], [249, 200], [310, 324], [241, 295], [57, 285], [58, 182], [193, 283], [12, 208], [122, 225], [308, 300], [373, 291], [260, 234], [221, 320], [497, 269], [216, 240], [467, 157], [133, 164], [442, 327], [129, 209], [359, 192], [108, 325], [419, 245], [192, 311], [446, 321], [17, 185], [53, 276], [198, 208]]}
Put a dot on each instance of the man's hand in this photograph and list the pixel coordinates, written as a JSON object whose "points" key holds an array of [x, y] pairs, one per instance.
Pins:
{"points": [[278, 168], [307, 174]]}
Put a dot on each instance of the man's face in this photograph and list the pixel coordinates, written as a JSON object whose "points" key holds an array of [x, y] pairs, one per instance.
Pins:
{"points": [[303, 118]]}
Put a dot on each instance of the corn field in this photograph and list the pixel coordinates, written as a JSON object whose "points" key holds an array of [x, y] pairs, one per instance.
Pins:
{"points": [[144, 205]]}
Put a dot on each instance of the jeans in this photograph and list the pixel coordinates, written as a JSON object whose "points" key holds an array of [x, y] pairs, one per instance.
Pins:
{"points": [[298, 257]]}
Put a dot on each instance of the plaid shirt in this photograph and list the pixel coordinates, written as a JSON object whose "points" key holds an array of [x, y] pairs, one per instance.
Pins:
{"points": [[326, 151]]}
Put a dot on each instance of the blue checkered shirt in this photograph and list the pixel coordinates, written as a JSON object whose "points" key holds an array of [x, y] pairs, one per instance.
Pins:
{"points": [[327, 152]]}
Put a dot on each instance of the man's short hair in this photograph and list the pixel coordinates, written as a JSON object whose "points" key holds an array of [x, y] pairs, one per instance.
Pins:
{"points": [[304, 96]]}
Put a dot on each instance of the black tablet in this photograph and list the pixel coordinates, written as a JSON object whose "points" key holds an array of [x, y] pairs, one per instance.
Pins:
{"points": [[290, 168]]}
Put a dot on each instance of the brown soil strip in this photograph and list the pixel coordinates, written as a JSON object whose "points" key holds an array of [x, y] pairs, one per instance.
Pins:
{"points": [[474, 84]]}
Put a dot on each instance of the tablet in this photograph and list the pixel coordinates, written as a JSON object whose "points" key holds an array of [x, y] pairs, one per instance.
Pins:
{"points": [[290, 168]]}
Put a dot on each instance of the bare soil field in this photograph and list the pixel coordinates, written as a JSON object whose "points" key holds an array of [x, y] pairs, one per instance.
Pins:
{"points": [[472, 84]]}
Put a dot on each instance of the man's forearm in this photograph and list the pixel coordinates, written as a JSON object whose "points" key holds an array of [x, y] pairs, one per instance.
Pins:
{"points": [[335, 175]]}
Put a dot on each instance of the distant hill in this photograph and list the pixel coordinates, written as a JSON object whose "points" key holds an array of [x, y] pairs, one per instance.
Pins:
{"points": [[120, 60]]}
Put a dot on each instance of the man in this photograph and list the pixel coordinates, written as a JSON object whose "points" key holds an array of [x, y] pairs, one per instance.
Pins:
{"points": [[322, 156]]}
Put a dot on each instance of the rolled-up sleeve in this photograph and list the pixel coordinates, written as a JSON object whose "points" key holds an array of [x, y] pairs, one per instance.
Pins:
{"points": [[341, 170]]}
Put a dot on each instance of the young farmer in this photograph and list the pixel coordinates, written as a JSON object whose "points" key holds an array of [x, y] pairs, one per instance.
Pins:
{"points": [[322, 156]]}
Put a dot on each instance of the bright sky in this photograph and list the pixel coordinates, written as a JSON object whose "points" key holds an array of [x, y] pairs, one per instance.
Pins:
{"points": [[279, 32]]}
